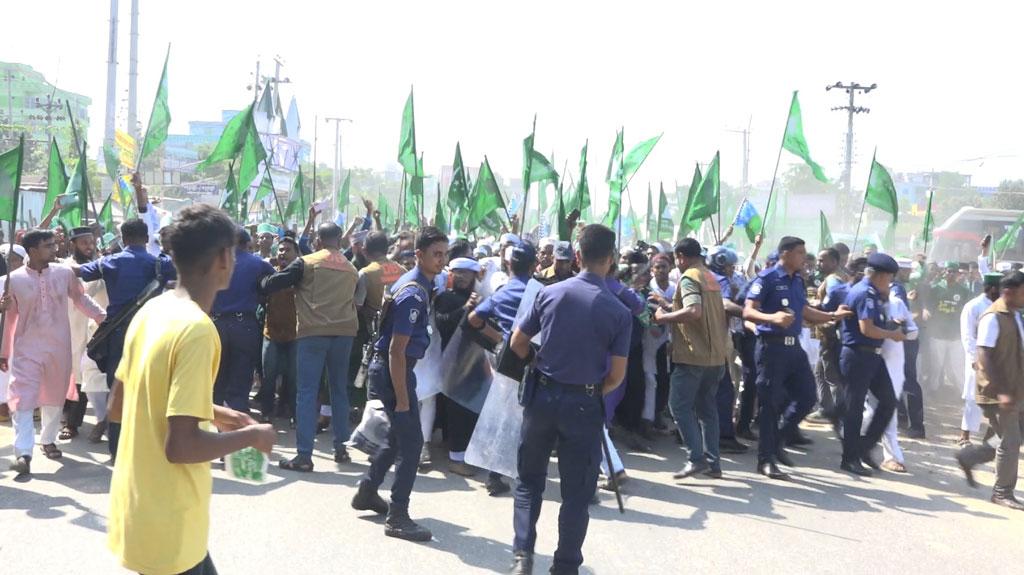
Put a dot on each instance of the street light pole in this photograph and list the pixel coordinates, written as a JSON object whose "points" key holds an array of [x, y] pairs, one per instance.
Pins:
{"points": [[337, 162]]}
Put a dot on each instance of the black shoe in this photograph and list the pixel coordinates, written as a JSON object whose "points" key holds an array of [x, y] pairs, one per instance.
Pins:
{"points": [[522, 564], [22, 465], [400, 526], [496, 486], [691, 468], [968, 471], [866, 459], [1008, 501], [714, 473], [771, 471], [730, 445], [341, 456], [856, 468], [747, 434], [782, 457], [915, 433], [799, 440], [556, 570], [367, 499]]}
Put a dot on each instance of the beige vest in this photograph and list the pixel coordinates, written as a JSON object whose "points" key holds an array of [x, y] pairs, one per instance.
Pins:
{"points": [[325, 299], [705, 342]]}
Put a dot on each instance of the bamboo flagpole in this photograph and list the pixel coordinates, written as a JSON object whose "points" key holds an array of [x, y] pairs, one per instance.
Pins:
{"points": [[81, 157]]}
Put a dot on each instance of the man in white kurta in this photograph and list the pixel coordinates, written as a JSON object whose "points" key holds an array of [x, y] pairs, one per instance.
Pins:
{"points": [[37, 343], [893, 356], [969, 318]]}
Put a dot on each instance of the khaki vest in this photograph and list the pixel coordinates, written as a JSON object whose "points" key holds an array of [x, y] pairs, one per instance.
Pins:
{"points": [[325, 299], [379, 277], [704, 342], [1006, 374]]}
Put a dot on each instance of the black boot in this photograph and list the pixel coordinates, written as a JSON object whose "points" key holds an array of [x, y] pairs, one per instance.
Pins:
{"points": [[399, 525], [522, 564], [367, 499]]}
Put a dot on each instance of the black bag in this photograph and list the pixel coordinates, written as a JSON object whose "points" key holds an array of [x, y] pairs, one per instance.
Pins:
{"points": [[98, 348]]}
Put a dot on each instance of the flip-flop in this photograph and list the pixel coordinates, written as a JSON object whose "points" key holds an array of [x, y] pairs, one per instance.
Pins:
{"points": [[296, 464], [51, 451]]}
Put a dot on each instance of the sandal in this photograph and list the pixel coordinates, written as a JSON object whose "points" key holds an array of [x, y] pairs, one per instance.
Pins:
{"points": [[296, 464], [51, 451], [894, 466], [67, 432]]}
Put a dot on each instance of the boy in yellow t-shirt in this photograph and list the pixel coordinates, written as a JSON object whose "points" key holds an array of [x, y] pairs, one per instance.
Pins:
{"points": [[161, 486]]}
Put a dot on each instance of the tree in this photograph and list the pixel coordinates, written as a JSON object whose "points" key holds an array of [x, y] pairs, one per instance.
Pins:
{"points": [[1009, 196]]}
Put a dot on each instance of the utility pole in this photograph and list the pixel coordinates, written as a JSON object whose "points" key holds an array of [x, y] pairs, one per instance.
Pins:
{"points": [[851, 109], [111, 109], [745, 183], [337, 162], [133, 74]]}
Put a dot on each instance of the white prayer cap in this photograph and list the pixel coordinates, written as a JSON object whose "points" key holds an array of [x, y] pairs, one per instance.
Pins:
{"points": [[467, 264], [548, 241], [509, 239], [5, 250]]}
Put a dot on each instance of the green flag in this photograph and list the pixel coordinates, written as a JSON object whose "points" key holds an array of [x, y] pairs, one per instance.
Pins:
{"points": [[111, 160], [106, 217], [440, 222], [458, 190], [794, 140], [231, 198], [664, 216], [266, 107], [686, 224], [652, 219], [413, 200], [536, 168], [1008, 240], [581, 199], [243, 206], [343, 194], [78, 185], [159, 118], [749, 219], [926, 233], [56, 178], [630, 164], [407, 141], [252, 154], [614, 179], [706, 201], [10, 181], [266, 188], [825, 236], [564, 232], [485, 198], [881, 192], [387, 217], [296, 198], [232, 140]]}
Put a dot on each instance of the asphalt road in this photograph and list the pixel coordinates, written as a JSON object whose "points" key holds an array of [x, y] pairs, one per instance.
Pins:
{"points": [[822, 521]]}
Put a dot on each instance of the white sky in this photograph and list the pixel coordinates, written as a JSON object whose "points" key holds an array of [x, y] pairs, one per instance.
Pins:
{"points": [[949, 83]]}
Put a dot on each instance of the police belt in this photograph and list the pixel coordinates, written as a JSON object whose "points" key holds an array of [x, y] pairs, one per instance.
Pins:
{"points": [[546, 381], [786, 340], [866, 349], [240, 315], [410, 362]]}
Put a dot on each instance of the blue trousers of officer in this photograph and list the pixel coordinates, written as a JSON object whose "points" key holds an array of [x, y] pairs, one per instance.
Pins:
{"points": [[785, 385], [312, 354], [114, 355], [864, 371], [241, 344], [745, 344], [911, 386], [405, 438], [573, 419], [725, 398]]}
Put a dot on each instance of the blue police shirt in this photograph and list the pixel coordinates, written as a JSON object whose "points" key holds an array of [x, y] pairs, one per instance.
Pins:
{"points": [[408, 315], [241, 295], [901, 292], [581, 323], [126, 274], [835, 295], [865, 303], [775, 290], [504, 304]]}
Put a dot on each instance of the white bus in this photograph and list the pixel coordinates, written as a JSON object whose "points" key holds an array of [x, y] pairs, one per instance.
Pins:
{"points": [[958, 237]]}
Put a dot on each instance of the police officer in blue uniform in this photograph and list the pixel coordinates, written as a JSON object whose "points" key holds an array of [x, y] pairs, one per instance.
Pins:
{"points": [[861, 363], [403, 339], [126, 275], [777, 302], [584, 343]]}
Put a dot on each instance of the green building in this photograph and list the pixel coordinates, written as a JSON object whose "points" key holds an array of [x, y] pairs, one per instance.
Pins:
{"points": [[30, 104]]}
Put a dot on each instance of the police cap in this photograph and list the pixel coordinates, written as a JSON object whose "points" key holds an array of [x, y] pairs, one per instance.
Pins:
{"points": [[883, 263]]}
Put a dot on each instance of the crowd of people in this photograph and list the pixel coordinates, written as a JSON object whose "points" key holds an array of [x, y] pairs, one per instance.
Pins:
{"points": [[205, 321]]}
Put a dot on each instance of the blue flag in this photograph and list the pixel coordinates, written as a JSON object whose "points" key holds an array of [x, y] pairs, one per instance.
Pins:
{"points": [[749, 219]]}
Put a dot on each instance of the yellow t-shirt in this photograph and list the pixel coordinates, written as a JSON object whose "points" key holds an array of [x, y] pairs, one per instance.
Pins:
{"points": [[160, 511]]}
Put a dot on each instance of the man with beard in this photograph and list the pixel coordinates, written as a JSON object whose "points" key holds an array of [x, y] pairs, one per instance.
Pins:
{"points": [[83, 251]]}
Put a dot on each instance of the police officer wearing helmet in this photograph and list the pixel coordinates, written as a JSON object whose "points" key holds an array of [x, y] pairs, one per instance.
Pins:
{"points": [[722, 263], [861, 364], [777, 302], [584, 343]]}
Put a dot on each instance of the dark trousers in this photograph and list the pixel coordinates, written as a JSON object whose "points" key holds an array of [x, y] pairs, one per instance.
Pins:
{"points": [[630, 409], [745, 344], [74, 411], [459, 425], [785, 386], [828, 378], [405, 438], [205, 567], [278, 360], [864, 371], [664, 377], [1008, 424], [116, 351], [574, 420], [914, 407], [725, 397], [240, 342]]}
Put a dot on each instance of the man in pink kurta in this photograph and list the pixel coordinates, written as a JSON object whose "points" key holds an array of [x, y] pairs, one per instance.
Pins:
{"points": [[37, 343]]}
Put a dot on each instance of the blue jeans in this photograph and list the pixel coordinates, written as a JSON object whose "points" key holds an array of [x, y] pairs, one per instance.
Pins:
{"points": [[240, 338], [312, 354], [692, 400], [278, 360], [405, 438], [573, 419]]}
